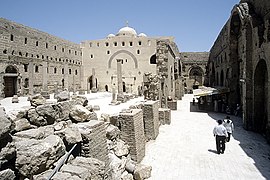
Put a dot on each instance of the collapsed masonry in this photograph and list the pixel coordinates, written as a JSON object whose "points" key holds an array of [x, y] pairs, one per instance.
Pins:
{"points": [[34, 140]]}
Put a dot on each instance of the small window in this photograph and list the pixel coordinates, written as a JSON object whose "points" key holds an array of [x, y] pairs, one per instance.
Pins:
{"points": [[106, 44], [98, 44], [115, 43], [69, 71], [20, 53], [37, 56], [5, 51], [36, 69], [138, 52], [25, 67], [76, 72], [75, 52], [36, 43], [123, 43], [69, 51], [46, 45], [63, 71], [131, 44], [91, 56], [108, 52], [63, 49], [54, 47], [42, 57], [140, 43], [25, 40], [11, 37], [26, 54], [55, 59], [55, 70]]}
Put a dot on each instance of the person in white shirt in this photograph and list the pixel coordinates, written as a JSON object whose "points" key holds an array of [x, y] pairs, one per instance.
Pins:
{"points": [[228, 124], [221, 134]]}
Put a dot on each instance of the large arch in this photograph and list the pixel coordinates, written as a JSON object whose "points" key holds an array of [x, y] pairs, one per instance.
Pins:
{"points": [[234, 61], [260, 97], [248, 99], [196, 75], [10, 81], [125, 52]]}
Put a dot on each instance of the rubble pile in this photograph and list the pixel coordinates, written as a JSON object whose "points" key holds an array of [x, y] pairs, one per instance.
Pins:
{"points": [[34, 140]]}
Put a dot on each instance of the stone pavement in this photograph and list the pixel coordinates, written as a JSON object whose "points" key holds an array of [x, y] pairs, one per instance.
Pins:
{"points": [[186, 149]]}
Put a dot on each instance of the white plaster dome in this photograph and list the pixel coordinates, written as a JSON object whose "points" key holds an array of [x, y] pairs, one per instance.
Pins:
{"points": [[127, 31], [142, 35], [110, 35]]}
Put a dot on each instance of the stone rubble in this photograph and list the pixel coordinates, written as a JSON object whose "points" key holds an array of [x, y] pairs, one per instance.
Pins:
{"points": [[111, 147]]}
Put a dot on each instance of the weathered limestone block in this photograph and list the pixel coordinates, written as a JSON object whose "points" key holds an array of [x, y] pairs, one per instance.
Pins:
{"points": [[62, 96], [142, 172], [151, 119], [5, 127], [95, 167], [57, 176], [15, 99], [80, 100], [94, 142], [164, 116], [35, 119], [96, 108], [70, 134], [81, 172], [62, 110], [35, 156], [132, 132], [114, 119], [62, 125], [7, 153], [79, 113], [112, 132], [126, 176], [92, 116], [47, 112], [172, 105], [22, 124], [37, 100], [7, 174], [121, 148], [39, 133], [117, 166], [105, 117]]}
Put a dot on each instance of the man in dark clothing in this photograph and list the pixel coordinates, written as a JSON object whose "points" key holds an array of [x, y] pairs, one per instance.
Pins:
{"points": [[221, 134]]}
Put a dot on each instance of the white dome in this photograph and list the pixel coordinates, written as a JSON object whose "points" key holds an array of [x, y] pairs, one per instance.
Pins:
{"points": [[142, 35], [110, 35], [127, 31]]}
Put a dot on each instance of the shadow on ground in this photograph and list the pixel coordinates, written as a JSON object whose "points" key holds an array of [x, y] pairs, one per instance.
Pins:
{"points": [[253, 144]]}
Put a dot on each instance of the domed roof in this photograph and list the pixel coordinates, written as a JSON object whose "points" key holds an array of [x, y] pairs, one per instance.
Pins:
{"points": [[142, 35], [110, 35], [127, 31]]}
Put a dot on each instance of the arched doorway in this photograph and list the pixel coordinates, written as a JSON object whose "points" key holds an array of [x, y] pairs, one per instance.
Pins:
{"points": [[260, 97], [10, 81], [90, 81], [196, 75], [106, 88], [124, 87]]}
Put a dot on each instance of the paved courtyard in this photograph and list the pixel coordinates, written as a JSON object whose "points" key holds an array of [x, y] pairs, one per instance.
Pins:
{"points": [[186, 149]]}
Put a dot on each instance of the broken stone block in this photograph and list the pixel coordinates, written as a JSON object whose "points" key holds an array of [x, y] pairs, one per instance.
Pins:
{"points": [[142, 172], [96, 108], [39, 133], [70, 134], [37, 100], [5, 127], [7, 153], [15, 99], [164, 116], [112, 132], [36, 156], [7, 174], [79, 113], [62, 96], [80, 100], [121, 148], [126, 176], [22, 124], [117, 166], [172, 105]]}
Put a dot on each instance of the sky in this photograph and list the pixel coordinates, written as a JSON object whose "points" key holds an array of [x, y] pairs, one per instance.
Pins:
{"points": [[195, 24]]}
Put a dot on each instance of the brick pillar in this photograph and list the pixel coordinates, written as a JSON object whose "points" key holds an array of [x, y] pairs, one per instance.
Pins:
{"points": [[132, 132], [164, 116], [151, 119]]}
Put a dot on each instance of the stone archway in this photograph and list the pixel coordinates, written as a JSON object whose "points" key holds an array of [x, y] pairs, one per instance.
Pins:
{"points": [[10, 81], [125, 52], [260, 97], [196, 75]]}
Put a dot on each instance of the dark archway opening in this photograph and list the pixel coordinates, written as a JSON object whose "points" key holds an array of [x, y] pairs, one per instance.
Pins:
{"points": [[124, 87], [10, 81], [260, 97], [196, 75], [106, 88], [153, 59]]}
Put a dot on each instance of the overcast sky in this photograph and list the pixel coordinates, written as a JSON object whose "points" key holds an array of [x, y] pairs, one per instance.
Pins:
{"points": [[195, 24]]}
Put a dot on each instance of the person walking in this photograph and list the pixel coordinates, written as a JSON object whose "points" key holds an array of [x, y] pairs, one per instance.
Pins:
{"points": [[228, 124], [221, 134]]}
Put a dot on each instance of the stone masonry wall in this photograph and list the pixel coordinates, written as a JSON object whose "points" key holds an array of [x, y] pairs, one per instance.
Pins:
{"points": [[132, 132], [151, 119], [41, 61]]}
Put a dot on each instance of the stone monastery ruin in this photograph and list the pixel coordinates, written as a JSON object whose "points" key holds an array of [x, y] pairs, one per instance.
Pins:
{"points": [[63, 137]]}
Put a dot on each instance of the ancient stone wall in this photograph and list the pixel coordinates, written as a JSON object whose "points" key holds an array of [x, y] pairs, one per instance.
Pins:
{"points": [[239, 60], [32, 60], [193, 69]]}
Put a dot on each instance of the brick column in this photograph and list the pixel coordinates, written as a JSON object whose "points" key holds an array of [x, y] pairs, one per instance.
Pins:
{"points": [[132, 132], [151, 119]]}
